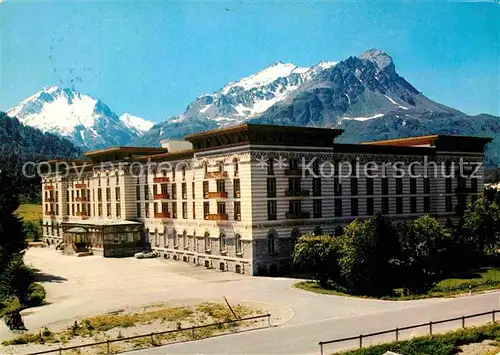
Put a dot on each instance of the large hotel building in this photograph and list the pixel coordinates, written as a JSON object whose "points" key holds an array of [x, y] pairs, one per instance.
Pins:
{"points": [[237, 198]]}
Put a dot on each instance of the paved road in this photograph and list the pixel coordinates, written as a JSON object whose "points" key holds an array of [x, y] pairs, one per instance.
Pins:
{"points": [[303, 338], [82, 286]]}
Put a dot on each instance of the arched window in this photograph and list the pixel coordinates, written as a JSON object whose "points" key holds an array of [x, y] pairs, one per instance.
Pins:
{"points": [[271, 242], [222, 242], [237, 244], [236, 166], [173, 173], [207, 241], [184, 240], [221, 166], [183, 172]]}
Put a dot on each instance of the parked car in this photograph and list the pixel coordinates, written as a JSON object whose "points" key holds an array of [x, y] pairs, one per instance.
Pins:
{"points": [[146, 254]]}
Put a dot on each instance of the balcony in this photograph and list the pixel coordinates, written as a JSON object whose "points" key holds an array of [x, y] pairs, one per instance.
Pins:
{"points": [[161, 180], [216, 175], [296, 193], [162, 215], [50, 199], [297, 215], [80, 186], [217, 217], [161, 196], [50, 213], [81, 199], [82, 214], [217, 194], [296, 172], [49, 187]]}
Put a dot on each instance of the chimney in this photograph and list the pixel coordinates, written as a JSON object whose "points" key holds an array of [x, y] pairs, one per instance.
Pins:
{"points": [[173, 145]]}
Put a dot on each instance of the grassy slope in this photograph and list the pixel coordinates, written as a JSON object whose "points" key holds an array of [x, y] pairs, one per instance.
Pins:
{"points": [[30, 212], [482, 280], [442, 344]]}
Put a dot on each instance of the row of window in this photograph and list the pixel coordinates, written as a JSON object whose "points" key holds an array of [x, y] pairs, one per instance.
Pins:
{"points": [[161, 210], [295, 207], [163, 190], [294, 186], [189, 242]]}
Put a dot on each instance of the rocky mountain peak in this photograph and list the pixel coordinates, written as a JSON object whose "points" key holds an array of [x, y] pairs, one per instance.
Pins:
{"points": [[381, 59]]}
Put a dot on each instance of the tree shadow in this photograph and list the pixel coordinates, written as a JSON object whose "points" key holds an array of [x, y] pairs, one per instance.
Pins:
{"points": [[465, 275], [44, 277]]}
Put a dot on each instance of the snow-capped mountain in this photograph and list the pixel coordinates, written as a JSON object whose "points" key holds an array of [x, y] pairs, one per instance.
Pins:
{"points": [[86, 121], [237, 101]]}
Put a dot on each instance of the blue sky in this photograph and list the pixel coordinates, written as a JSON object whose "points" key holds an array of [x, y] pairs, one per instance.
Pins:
{"points": [[152, 58]]}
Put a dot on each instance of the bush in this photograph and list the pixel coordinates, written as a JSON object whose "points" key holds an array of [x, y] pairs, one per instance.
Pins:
{"points": [[32, 231], [36, 295]]}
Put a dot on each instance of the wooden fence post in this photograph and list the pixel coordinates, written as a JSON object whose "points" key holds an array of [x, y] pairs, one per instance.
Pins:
{"points": [[360, 341], [430, 327], [321, 348], [107, 346], [269, 320], [493, 316], [463, 322], [192, 334], [152, 339], [397, 334]]}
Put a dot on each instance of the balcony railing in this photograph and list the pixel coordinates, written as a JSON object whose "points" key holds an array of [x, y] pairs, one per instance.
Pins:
{"points": [[296, 172], [217, 217], [216, 174], [296, 193], [217, 194], [80, 186], [81, 199], [297, 215], [50, 199], [50, 213], [161, 180], [162, 215], [161, 196], [81, 214], [49, 187]]}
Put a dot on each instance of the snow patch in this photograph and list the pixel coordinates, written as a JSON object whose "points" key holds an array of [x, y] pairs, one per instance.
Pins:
{"points": [[140, 124], [264, 77], [205, 108], [378, 115]]}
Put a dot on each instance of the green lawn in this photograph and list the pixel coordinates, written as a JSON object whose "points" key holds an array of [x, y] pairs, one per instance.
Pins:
{"points": [[30, 212], [442, 344], [480, 280]]}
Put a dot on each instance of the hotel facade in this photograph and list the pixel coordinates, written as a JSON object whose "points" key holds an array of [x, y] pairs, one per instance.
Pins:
{"points": [[237, 199]]}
